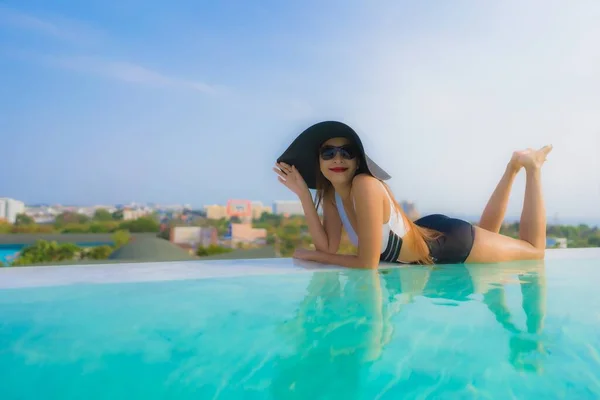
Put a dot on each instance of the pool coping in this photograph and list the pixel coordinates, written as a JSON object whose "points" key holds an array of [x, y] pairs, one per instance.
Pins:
{"points": [[61, 275]]}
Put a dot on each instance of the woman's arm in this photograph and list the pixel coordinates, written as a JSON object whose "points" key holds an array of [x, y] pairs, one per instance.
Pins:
{"points": [[326, 236], [368, 202]]}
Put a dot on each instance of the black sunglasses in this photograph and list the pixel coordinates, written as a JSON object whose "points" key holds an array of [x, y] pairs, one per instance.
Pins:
{"points": [[347, 152]]}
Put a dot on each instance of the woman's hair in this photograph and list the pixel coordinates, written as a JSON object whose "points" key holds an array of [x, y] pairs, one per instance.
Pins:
{"points": [[420, 236]]}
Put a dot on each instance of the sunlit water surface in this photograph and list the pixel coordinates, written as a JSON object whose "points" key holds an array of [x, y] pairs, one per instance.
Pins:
{"points": [[520, 330]]}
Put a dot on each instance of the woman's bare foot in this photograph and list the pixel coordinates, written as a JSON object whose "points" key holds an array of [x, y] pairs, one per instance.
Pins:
{"points": [[535, 159], [515, 164]]}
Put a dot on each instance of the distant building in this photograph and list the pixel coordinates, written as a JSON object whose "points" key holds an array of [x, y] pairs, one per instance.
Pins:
{"points": [[258, 209], [241, 209], [215, 211], [288, 207], [194, 236], [245, 210], [246, 234], [130, 214], [187, 217], [556, 243], [42, 214], [10, 208], [108, 208]]}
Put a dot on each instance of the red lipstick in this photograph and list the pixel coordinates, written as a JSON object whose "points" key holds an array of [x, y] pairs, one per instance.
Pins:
{"points": [[338, 169]]}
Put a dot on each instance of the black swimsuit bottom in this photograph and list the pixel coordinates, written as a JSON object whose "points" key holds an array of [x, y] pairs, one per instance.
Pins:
{"points": [[453, 247]]}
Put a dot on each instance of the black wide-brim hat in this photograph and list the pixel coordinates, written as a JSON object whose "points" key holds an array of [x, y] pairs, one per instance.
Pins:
{"points": [[303, 153]]}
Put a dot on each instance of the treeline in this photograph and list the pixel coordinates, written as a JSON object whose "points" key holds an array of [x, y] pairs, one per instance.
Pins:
{"points": [[577, 236], [43, 251], [71, 222], [212, 250]]}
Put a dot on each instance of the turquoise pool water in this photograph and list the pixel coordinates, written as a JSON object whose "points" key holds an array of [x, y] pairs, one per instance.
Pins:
{"points": [[9, 252], [522, 330]]}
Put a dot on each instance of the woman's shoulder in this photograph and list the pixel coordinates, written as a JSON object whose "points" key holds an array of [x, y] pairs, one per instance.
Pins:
{"points": [[366, 182]]}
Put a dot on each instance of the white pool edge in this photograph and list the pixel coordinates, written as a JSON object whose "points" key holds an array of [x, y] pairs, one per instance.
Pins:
{"points": [[60, 275]]}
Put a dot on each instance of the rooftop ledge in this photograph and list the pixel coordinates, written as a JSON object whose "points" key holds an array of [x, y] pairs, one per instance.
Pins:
{"points": [[59, 275]]}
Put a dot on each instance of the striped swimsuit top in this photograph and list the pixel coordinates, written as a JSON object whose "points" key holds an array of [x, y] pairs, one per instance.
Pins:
{"points": [[392, 231]]}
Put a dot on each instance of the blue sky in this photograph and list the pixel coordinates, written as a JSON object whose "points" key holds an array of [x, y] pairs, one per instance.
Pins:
{"points": [[191, 102]]}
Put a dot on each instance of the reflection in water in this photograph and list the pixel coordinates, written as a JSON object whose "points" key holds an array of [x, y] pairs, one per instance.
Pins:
{"points": [[325, 357], [345, 321], [525, 345], [459, 282]]}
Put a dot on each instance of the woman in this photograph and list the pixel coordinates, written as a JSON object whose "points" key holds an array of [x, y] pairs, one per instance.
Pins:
{"points": [[329, 157]]}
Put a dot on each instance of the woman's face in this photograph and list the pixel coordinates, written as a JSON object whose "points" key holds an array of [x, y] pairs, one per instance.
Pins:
{"points": [[338, 160]]}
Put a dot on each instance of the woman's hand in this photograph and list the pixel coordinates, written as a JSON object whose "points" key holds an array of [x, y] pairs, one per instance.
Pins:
{"points": [[291, 178], [304, 254]]}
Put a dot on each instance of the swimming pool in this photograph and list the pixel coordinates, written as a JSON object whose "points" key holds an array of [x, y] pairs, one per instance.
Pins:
{"points": [[9, 252], [273, 329]]}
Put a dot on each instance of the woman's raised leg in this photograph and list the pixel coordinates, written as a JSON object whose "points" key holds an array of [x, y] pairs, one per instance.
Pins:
{"points": [[533, 217], [491, 246], [495, 209]]}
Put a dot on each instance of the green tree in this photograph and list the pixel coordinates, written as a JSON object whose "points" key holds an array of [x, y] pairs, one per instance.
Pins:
{"points": [[33, 228], [5, 227], [287, 246], [594, 241], [143, 224], [165, 234], [69, 217], [75, 228], [120, 238], [291, 230], [271, 219], [222, 225], [24, 219], [99, 252], [43, 251], [212, 249], [102, 215], [103, 227]]}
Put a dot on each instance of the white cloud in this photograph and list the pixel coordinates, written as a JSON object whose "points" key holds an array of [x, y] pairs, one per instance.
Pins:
{"points": [[131, 73], [75, 31]]}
